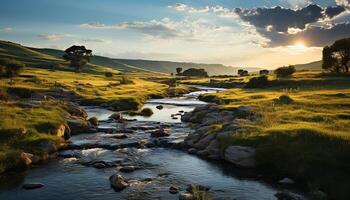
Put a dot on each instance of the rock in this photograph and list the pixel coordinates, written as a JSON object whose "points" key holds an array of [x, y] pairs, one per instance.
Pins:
{"points": [[244, 109], [286, 181], [159, 107], [78, 125], [118, 182], [119, 136], [46, 146], [186, 196], [213, 149], [224, 134], [26, 158], [285, 195], [241, 156], [75, 110], [127, 169], [99, 165], [173, 190], [21, 132], [160, 133], [204, 142], [192, 151], [202, 153], [93, 122], [62, 131], [30, 186], [116, 116]]}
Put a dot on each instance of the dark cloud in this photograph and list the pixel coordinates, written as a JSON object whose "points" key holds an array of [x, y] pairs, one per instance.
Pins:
{"points": [[334, 11], [312, 36], [284, 26]]}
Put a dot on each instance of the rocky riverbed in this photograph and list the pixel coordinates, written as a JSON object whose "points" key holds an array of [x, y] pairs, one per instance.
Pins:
{"points": [[135, 157]]}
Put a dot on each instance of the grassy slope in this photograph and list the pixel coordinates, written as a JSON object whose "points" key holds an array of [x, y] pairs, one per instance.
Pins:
{"points": [[308, 139], [317, 65], [91, 86]]}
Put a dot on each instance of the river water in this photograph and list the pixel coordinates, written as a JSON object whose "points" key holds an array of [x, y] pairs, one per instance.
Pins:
{"points": [[72, 178]]}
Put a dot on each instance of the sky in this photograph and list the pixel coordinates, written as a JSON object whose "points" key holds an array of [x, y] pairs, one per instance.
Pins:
{"points": [[239, 33]]}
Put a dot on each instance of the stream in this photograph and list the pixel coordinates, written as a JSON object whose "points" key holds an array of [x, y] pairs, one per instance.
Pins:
{"points": [[71, 177]]}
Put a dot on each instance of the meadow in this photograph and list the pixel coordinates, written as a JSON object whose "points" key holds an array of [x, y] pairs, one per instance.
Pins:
{"points": [[306, 136]]}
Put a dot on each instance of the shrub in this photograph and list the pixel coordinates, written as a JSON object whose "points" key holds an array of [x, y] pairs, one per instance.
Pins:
{"points": [[243, 72], [284, 99], [10, 68], [195, 72], [258, 82], [285, 71], [108, 74], [20, 92], [264, 72], [125, 80]]}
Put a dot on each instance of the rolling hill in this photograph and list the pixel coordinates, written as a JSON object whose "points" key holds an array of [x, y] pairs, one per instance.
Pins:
{"points": [[45, 58], [317, 65]]}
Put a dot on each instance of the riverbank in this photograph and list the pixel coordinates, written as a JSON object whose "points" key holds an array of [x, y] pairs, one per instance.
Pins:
{"points": [[42, 106], [298, 132]]}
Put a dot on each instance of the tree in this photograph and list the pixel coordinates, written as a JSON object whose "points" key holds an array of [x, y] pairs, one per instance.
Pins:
{"points": [[195, 72], [179, 70], [243, 72], [264, 72], [78, 56], [285, 71], [258, 82], [336, 57]]}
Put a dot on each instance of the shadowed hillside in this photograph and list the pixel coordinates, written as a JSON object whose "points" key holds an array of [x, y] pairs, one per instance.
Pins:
{"points": [[317, 65]]}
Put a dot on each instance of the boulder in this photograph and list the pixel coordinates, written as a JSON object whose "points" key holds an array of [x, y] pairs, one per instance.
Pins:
{"points": [[241, 156], [118, 182], [213, 149], [116, 116], [204, 142], [119, 136], [26, 158], [159, 133], [127, 169], [62, 131], [30, 186], [159, 107], [186, 196], [78, 125], [192, 151], [75, 110], [46, 146], [173, 189]]}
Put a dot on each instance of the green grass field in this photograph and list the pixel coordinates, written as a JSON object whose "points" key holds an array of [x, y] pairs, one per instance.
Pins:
{"points": [[307, 139]]}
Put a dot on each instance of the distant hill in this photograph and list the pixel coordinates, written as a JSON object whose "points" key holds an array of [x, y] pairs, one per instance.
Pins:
{"points": [[44, 57], [317, 65]]}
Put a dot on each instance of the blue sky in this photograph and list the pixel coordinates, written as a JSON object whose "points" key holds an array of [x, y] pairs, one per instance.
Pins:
{"points": [[199, 31]]}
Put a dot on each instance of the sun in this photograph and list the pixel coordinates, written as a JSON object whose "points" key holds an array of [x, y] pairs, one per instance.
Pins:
{"points": [[300, 45]]}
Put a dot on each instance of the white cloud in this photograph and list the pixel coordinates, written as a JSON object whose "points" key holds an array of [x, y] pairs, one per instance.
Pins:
{"points": [[343, 2], [93, 40], [51, 37], [185, 7], [6, 29]]}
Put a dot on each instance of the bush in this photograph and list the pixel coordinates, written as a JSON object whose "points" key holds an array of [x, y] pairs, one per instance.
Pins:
{"points": [[258, 82], [147, 112], [284, 99], [108, 74], [285, 71], [243, 72], [11, 68], [125, 80], [264, 72], [195, 72]]}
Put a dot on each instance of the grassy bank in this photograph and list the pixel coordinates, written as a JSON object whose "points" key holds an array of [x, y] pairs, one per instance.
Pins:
{"points": [[307, 139], [122, 91]]}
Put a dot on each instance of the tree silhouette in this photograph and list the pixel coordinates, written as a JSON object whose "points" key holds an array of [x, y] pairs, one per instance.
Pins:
{"points": [[78, 56], [179, 70], [285, 71], [336, 58]]}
